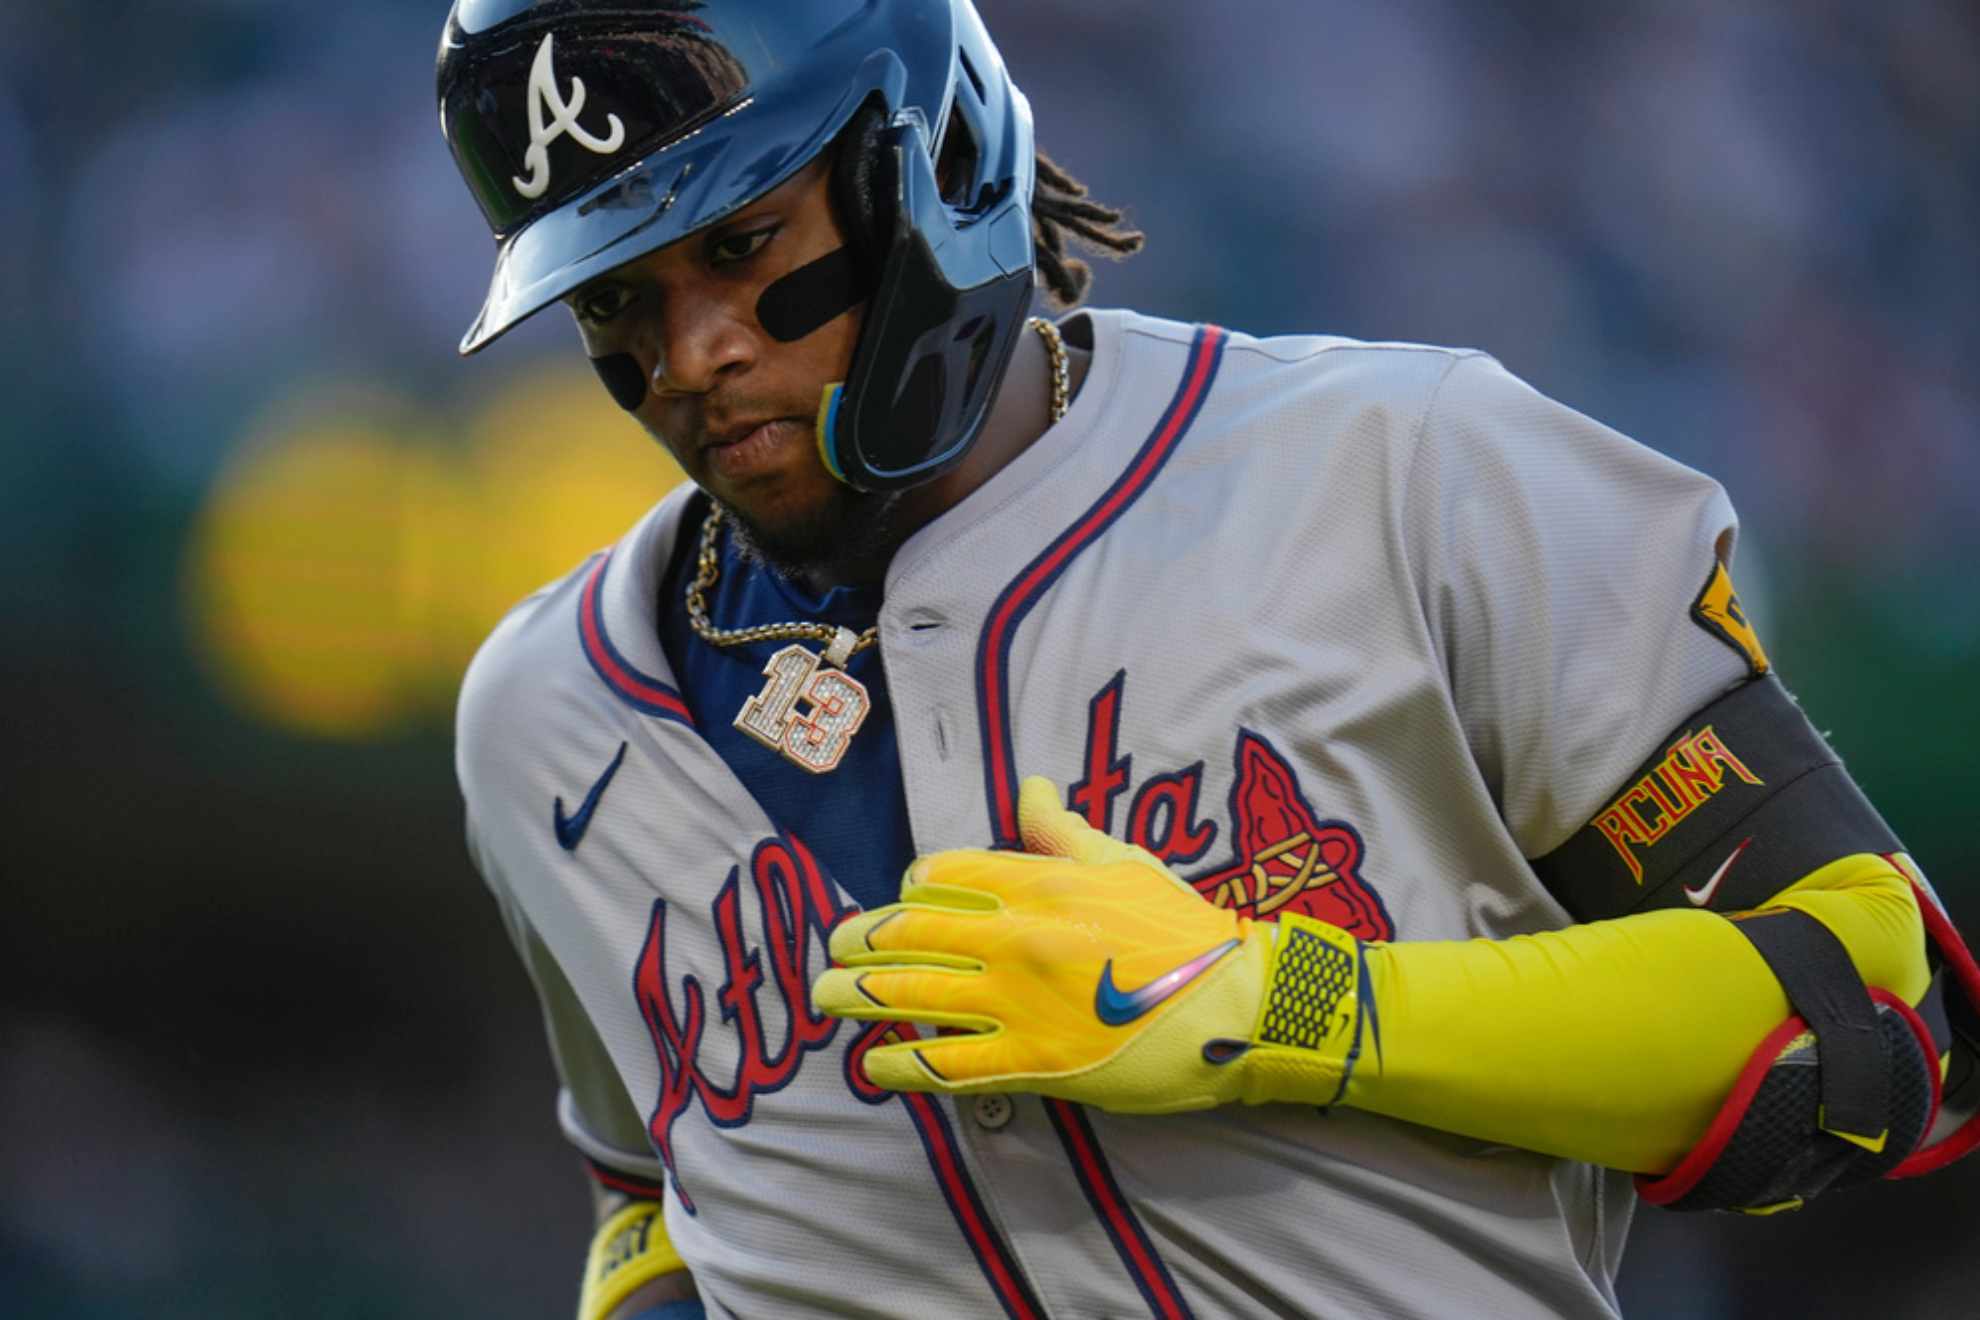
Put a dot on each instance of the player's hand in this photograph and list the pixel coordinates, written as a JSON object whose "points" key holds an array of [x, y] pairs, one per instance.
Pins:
{"points": [[1084, 969]]}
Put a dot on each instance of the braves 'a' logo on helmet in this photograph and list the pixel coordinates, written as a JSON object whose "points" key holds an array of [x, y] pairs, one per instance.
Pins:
{"points": [[551, 116], [1286, 858]]}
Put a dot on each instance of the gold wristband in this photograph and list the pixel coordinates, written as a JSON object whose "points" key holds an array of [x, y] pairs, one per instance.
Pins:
{"points": [[628, 1249]]}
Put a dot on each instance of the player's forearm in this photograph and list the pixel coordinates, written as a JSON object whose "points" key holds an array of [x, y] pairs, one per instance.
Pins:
{"points": [[1613, 1042], [669, 1297]]}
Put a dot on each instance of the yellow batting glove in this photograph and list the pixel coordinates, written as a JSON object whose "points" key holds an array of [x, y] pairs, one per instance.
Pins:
{"points": [[1084, 969]]}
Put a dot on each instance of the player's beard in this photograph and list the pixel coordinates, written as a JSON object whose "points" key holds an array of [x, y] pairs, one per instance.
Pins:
{"points": [[849, 537]]}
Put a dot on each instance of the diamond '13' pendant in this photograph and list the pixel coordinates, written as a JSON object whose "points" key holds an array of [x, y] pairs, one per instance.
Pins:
{"points": [[817, 739]]}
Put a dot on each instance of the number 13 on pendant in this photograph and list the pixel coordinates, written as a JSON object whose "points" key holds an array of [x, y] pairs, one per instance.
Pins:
{"points": [[816, 741]]}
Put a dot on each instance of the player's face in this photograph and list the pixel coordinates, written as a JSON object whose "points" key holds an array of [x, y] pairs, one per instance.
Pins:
{"points": [[735, 407]]}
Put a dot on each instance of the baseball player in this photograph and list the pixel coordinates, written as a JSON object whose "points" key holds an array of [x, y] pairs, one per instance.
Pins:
{"points": [[1354, 843]]}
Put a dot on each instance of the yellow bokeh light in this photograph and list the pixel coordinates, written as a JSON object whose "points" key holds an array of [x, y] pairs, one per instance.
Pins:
{"points": [[559, 471], [349, 561]]}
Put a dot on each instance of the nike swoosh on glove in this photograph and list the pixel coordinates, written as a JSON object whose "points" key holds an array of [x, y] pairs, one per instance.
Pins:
{"points": [[1085, 969]]}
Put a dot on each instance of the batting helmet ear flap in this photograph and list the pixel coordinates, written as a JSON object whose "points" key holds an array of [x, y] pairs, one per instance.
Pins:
{"points": [[947, 306], [863, 186]]}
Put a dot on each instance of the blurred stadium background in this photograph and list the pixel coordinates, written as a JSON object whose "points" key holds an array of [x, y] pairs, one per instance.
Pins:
{"points": [[263, 1050]]}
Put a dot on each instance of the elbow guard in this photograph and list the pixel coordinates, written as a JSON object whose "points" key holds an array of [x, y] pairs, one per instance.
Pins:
{"points": [[1844, 1091]]}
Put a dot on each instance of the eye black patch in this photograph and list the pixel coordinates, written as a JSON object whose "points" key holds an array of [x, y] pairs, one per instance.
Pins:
{"points": [[810, 296], [624, 381]]}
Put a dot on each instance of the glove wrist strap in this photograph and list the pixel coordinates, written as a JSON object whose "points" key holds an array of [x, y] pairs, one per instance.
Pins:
{"points": [[1317, 1015]]}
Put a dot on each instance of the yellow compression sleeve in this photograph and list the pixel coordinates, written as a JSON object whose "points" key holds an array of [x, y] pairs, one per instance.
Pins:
{"points": [[1613, 1042]]}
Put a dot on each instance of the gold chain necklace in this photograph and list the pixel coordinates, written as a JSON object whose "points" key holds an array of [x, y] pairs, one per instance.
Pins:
{"points": [[817, 740]]}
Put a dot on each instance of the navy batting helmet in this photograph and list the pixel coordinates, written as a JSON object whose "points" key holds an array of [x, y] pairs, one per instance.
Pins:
{"points": [[592, 133]]}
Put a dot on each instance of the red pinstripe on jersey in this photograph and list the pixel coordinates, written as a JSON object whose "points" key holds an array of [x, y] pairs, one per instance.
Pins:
{"points": [[637, 690], [993, 1256], [994, 647]]}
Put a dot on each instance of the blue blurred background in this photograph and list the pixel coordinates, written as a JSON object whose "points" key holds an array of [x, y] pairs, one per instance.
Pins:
{"points": [[263, 1049]]}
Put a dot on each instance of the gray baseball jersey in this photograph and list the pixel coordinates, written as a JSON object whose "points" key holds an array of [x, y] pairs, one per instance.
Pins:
{"points": [[1332, 627]]}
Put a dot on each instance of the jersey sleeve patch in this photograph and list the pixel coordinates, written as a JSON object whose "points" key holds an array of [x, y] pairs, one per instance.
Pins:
{"points": [[1739, 802], [1717, 610]]}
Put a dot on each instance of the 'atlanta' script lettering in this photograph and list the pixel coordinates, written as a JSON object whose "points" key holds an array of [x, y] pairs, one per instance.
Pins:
{"points": [[799, 909]]}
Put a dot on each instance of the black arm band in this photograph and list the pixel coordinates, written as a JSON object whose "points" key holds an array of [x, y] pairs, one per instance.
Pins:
{"points": [[1746, 778]]}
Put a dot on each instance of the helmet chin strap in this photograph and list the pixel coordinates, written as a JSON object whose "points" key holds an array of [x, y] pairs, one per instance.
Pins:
{"points": [[796, 304], [828, 412]]}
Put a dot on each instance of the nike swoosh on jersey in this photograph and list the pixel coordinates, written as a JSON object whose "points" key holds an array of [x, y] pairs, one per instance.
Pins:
{"points": [[1703, 894], [1116, 1007], [571, 829]]}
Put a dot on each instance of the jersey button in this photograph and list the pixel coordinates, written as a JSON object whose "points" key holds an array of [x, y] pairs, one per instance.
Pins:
{"points": [[993, 1111]]}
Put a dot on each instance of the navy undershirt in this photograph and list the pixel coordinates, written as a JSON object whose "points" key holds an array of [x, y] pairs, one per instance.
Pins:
{"points": [[853, 818]]}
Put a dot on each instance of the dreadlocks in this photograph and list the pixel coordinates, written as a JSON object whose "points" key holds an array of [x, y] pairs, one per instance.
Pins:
{"points": [[1061, 208]]}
